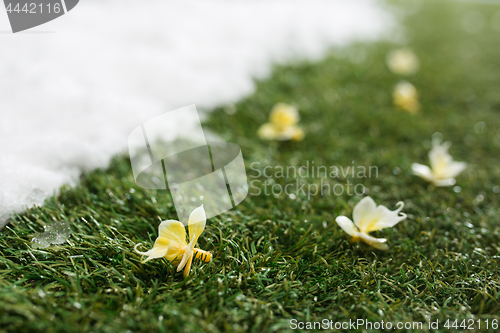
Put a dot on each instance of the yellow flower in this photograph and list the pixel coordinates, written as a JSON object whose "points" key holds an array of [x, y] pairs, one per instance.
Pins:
{"points": [[402, 62], [284, 115], [171, 242], [406, 97], [443, 169], [282, 125], [367, 218]]}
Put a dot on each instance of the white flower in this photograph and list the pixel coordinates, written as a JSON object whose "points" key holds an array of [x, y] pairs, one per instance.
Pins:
{"points": [[405, 96], [443, 169], [403, 61], [282, 125], [171, 242], [367, 218]]}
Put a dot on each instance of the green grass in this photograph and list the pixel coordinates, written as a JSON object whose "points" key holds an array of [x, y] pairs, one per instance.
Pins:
{"points": [[278, 258]]}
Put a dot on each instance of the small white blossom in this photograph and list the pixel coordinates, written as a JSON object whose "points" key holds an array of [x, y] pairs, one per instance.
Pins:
{"points": [[369, 217], [171, 242], [403, 61], [405, 96], [282, 124], [443, 169]]}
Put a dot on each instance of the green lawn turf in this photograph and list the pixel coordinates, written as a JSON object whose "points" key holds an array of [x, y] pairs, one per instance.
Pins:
{"points": [[277, 257]]}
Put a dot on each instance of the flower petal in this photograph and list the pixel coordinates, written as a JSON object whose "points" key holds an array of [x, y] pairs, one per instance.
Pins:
{"points": [[187, 254], [174, 231], [440, 158], [402, 61], [286, 133], [455, 168], [385, 218], [298, 134], [267, 132], [378, 243], [187, 268], [362, 214], [160, 249], [422, 171], [444, 182], [405, 96], [346, 224], [197, 221], [284, 115]]}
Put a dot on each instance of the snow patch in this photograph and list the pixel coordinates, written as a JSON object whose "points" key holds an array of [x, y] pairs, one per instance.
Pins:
{"points": [[72, 90]]}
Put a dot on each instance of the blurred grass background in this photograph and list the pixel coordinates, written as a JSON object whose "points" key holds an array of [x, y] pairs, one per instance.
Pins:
{"points": [[277, 257]]}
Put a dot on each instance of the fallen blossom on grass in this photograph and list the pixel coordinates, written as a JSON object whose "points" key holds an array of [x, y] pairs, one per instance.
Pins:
{"points": [[369, 217], [171, 242], [282, 124]]}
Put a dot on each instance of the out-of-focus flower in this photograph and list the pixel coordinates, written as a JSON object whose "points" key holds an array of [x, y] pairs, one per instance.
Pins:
{"points": [[443, 169], [171, 242], [282, 124], [403, 61], [367, 218], [405, 96]]}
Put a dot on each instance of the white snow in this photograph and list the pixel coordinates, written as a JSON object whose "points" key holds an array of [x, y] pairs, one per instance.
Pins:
{"points": [[54, 233], [73, 89]]}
